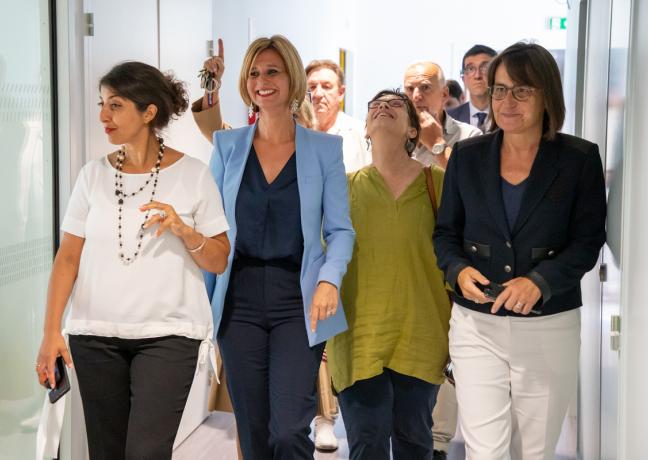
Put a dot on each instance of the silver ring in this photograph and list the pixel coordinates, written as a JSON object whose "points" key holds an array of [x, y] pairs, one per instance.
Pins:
{"points": [[519, 305], [162, 215]]}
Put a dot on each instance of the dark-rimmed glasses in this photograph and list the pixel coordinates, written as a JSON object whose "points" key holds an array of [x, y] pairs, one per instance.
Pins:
{"points": [[395, 103], [520, 93], [472, 69]]}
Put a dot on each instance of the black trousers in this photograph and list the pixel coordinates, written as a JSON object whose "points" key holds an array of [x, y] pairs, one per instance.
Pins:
{"points": [[271, 370], [133, 393], [389, 406]]}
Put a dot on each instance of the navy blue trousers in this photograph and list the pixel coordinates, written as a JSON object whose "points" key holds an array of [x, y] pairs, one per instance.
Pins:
{"points": [[389, 406], [271, 370]]}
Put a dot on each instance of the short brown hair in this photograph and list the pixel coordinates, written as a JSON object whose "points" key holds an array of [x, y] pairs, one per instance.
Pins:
{"points": [[325, 64], [531, 64], [291, 59]]}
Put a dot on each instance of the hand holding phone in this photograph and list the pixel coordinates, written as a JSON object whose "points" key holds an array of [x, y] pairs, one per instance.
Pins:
{"points": [[62, 383], [493, 290]]}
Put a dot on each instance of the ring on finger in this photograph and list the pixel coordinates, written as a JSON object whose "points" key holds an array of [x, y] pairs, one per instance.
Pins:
{"points": [[162, 215]]}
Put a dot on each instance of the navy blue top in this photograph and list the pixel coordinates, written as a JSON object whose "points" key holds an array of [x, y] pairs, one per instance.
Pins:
{"points": [[512, 197], [268, 216]]}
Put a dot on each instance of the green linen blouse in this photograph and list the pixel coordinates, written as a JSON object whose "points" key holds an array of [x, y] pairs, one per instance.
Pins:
{"points": [[393, 294]]}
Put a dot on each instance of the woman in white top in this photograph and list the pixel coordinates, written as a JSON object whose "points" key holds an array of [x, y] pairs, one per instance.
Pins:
{"points": [[140, 225]]}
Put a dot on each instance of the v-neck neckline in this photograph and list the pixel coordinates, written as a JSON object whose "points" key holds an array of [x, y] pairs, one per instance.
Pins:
{"points": [[388, 191], [267, 184]]}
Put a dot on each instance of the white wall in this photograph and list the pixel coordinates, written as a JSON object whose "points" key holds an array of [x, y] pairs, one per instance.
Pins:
{"points": [[382, 36], [316, 28], [183, 29], [440, 32]]}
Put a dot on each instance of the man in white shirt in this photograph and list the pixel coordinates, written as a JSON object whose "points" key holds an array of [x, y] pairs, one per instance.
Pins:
{"points": [[325, 82], [474, 73], [425, 85]]}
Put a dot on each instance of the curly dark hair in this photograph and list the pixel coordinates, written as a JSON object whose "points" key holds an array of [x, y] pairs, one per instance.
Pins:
{"points": [[144, 84]]}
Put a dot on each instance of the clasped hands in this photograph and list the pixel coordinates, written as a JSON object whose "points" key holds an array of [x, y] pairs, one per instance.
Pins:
{"points": [[520, 295]]}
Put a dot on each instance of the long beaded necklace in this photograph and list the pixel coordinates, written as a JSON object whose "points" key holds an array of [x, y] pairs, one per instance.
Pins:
{"points": [[121, 195]]}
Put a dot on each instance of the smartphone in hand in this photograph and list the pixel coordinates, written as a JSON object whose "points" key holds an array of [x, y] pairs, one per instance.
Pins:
{"points": [[492, 290], [62, 382]]}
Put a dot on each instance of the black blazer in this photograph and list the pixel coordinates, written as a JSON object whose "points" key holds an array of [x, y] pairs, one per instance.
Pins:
{"points": [[559, 230]]}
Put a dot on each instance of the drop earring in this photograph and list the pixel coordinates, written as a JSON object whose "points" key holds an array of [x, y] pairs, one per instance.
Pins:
{"points": [[294, 107], [410, 146]]}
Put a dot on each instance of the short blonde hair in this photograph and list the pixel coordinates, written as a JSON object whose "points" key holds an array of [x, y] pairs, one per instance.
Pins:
{"points": [[291, 59]]}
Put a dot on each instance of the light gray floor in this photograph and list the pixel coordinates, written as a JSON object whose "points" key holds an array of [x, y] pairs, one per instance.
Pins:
{"points": [[215, 440]]}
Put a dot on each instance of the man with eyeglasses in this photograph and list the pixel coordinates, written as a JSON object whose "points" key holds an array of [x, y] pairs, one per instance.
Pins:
{"points": [[474, 73], [426, 87]]}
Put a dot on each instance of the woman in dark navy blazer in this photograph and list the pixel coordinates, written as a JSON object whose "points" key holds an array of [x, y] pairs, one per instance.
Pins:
{"points": [[284, 191], [523, 207]]}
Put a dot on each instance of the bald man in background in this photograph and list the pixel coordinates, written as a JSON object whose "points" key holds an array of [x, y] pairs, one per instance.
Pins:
{"points": [[426, 87]]}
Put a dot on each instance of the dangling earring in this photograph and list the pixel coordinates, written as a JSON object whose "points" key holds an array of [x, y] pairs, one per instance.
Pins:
{"points": [[294, 107], [410, 146], [368, 143], [251, 110]]}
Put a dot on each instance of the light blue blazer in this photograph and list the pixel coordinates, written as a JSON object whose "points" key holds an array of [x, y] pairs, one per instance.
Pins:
{"points": [[324, 206]]}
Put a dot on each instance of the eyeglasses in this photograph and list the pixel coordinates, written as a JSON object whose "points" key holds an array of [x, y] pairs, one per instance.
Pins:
{"points": [[395, 103], [520, 93], [472, 69]]}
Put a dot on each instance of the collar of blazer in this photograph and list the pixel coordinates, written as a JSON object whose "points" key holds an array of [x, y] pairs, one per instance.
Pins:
{"points": [[236, 167], [237, 162], [543, 172]]}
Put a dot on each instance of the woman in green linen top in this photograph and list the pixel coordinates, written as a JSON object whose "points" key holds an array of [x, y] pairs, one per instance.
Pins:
{"points": [[387, 367]]}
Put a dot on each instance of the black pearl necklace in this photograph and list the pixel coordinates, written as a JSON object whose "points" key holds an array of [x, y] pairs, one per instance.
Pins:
{"points": [[122, 195]]}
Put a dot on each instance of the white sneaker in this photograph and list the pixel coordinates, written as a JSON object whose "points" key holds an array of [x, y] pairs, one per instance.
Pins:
{"points": [[325, 439]]}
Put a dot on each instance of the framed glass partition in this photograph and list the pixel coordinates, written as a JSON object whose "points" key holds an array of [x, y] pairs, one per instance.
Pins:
{"points": [[27, 212]]}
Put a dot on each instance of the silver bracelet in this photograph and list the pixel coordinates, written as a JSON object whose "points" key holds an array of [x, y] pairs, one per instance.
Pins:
{"points": [[199, 247]]}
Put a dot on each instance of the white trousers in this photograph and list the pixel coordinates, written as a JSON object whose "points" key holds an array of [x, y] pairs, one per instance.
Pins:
{"points": [[514, 381]]}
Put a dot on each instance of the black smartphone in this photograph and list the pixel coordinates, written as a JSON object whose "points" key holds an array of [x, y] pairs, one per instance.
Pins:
{"points": [[62, 383], [492, 290]]}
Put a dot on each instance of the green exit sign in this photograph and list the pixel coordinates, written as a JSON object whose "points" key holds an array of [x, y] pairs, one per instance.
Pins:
{"points": [[556, 23]]}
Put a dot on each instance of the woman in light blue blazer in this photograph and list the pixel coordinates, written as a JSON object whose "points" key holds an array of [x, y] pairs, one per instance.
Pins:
{"points": [[285, 196]]}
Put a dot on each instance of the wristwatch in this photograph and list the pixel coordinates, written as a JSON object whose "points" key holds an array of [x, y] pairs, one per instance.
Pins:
{"points": [[438, 149]]}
